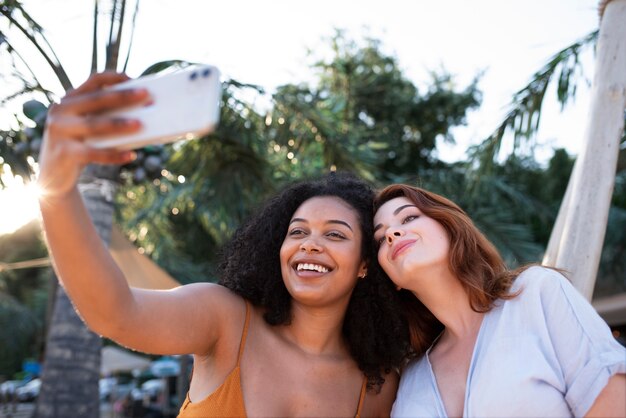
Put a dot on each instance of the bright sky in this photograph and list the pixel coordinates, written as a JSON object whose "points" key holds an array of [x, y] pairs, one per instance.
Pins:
{"points": [[266, 43]]}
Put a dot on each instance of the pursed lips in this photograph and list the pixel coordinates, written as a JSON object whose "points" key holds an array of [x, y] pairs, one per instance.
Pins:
{"points": [[400, 247]]}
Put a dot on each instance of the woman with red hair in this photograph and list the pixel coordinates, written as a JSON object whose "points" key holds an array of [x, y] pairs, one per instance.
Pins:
{"points": [[487, 341]]}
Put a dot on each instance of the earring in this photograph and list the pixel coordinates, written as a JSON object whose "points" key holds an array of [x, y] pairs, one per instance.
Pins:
{"points": [[362, 275]]}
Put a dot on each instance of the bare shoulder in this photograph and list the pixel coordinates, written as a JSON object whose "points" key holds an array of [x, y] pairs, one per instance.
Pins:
{"points": [[213, 299], [379, 404]]}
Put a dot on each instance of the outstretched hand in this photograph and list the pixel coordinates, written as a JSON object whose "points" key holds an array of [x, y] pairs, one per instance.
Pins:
{"points": [[82, 114]]}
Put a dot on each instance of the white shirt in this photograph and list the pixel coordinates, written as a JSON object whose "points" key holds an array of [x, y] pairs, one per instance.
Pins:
{"points": [[545, 353]]}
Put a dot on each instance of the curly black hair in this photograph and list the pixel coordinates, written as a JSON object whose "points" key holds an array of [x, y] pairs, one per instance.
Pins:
{"points": [[374, 328]]}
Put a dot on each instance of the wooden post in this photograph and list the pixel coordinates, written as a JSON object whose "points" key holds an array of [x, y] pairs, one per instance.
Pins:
{"points": [[578, 235]]}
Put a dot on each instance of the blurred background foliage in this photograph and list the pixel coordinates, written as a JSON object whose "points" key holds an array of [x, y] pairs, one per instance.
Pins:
{"points": [[23, 299]]}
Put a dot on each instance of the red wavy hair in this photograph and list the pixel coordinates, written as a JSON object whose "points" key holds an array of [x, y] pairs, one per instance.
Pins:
{"points": [[473, 259]]}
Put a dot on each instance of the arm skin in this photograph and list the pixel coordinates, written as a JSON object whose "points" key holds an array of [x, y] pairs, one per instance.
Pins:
{"points": [[183, 320], [612, 400], [379, 404]]}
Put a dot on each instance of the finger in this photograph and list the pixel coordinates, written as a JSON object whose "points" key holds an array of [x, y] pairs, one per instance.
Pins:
{"points": [[106, 156], [83, 127], [102, 101], [98, 81]]}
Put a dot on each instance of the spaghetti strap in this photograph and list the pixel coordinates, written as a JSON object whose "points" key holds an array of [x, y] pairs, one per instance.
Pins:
{"points": [[244, 334], [361, 397]]}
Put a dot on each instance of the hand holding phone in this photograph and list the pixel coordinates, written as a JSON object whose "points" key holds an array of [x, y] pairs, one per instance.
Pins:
{"points": [[183, 105]]}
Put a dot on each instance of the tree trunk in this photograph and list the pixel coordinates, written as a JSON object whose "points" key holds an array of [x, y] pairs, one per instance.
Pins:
{"points": [[72, 358], [578, 236]]}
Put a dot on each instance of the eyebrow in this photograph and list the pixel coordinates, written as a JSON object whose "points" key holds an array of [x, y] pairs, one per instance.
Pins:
{"points": [[330, 221], [395, 212]]}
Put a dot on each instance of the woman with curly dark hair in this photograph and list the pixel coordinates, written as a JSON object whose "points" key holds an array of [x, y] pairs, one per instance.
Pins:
{"points": [[302, 323], [488, 341]]}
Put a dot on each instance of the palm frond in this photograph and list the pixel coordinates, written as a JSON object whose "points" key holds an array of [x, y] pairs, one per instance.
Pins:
{"points": [[17, 17], [514, 240], [164, 65], [524, 114]]}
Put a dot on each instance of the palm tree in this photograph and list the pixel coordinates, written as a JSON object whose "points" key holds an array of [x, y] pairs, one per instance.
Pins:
{"points": [[580, 251], [227, 174], [578, 235], [72, 357]]}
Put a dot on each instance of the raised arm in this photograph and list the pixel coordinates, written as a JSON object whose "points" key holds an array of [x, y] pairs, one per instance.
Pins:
{"points": [[183, 320]]}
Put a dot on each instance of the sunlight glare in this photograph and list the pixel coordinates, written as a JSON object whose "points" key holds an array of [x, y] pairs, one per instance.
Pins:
{"points": [[18, 203]]}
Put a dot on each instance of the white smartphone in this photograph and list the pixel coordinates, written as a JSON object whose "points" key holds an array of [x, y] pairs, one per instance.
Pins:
{"points": [[184, 104]]}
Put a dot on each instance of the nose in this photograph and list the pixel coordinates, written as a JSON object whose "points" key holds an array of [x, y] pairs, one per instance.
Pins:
{"points": [[310, 245], [393, 233]]}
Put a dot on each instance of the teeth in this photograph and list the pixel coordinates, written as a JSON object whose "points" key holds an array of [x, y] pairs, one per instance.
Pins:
{"points": [[312, 267]]}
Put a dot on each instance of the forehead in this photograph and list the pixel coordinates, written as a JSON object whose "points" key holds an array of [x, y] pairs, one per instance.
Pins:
{"points": [[325, 208], [387, 209]]}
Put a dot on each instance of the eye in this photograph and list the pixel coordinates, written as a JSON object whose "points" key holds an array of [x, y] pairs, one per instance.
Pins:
{"points": [[410, 218], [337, 235], [379, 241], [296, 231]]}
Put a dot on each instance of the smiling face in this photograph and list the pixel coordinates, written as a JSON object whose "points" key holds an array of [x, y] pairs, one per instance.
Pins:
{"points": [[411, 243], [321, 254]]}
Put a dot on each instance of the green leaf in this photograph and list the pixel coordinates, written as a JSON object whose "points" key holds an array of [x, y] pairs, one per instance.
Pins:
{"points": [[164, 65]]}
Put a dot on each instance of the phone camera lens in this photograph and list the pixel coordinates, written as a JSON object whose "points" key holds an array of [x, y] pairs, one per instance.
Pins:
{"points": [[206, 72]]}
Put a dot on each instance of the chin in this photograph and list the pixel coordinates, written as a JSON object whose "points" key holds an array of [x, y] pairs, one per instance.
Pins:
{"points": [[317, 297], [305, 292], [310, 299]]}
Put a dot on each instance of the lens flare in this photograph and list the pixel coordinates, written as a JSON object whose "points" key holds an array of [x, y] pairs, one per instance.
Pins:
{"points": [[19, 204]]}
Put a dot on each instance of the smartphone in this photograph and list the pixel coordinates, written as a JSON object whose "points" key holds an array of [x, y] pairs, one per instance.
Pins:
{"points": [[184, 104]]}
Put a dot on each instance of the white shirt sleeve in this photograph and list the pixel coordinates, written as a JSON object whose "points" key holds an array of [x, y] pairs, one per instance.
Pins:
{"points": [[587, 352]]}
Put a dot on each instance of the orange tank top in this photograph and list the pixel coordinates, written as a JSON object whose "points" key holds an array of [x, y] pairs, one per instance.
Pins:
{"points": [[227, 400]]}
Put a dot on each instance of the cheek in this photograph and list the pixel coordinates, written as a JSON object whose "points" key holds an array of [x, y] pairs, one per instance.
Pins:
{"points": [[285, 253], [382, 260], [380, 256], [443, 245]]}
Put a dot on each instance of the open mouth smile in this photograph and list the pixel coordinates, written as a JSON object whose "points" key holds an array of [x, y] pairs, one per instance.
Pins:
{"points": [[311, 267]]}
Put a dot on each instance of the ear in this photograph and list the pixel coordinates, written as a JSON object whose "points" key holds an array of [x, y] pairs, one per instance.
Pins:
{"points": [[362, 270]]}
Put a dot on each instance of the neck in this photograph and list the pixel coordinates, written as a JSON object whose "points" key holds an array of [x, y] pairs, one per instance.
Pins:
{"points": [[444, 296], [316, 331]]}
